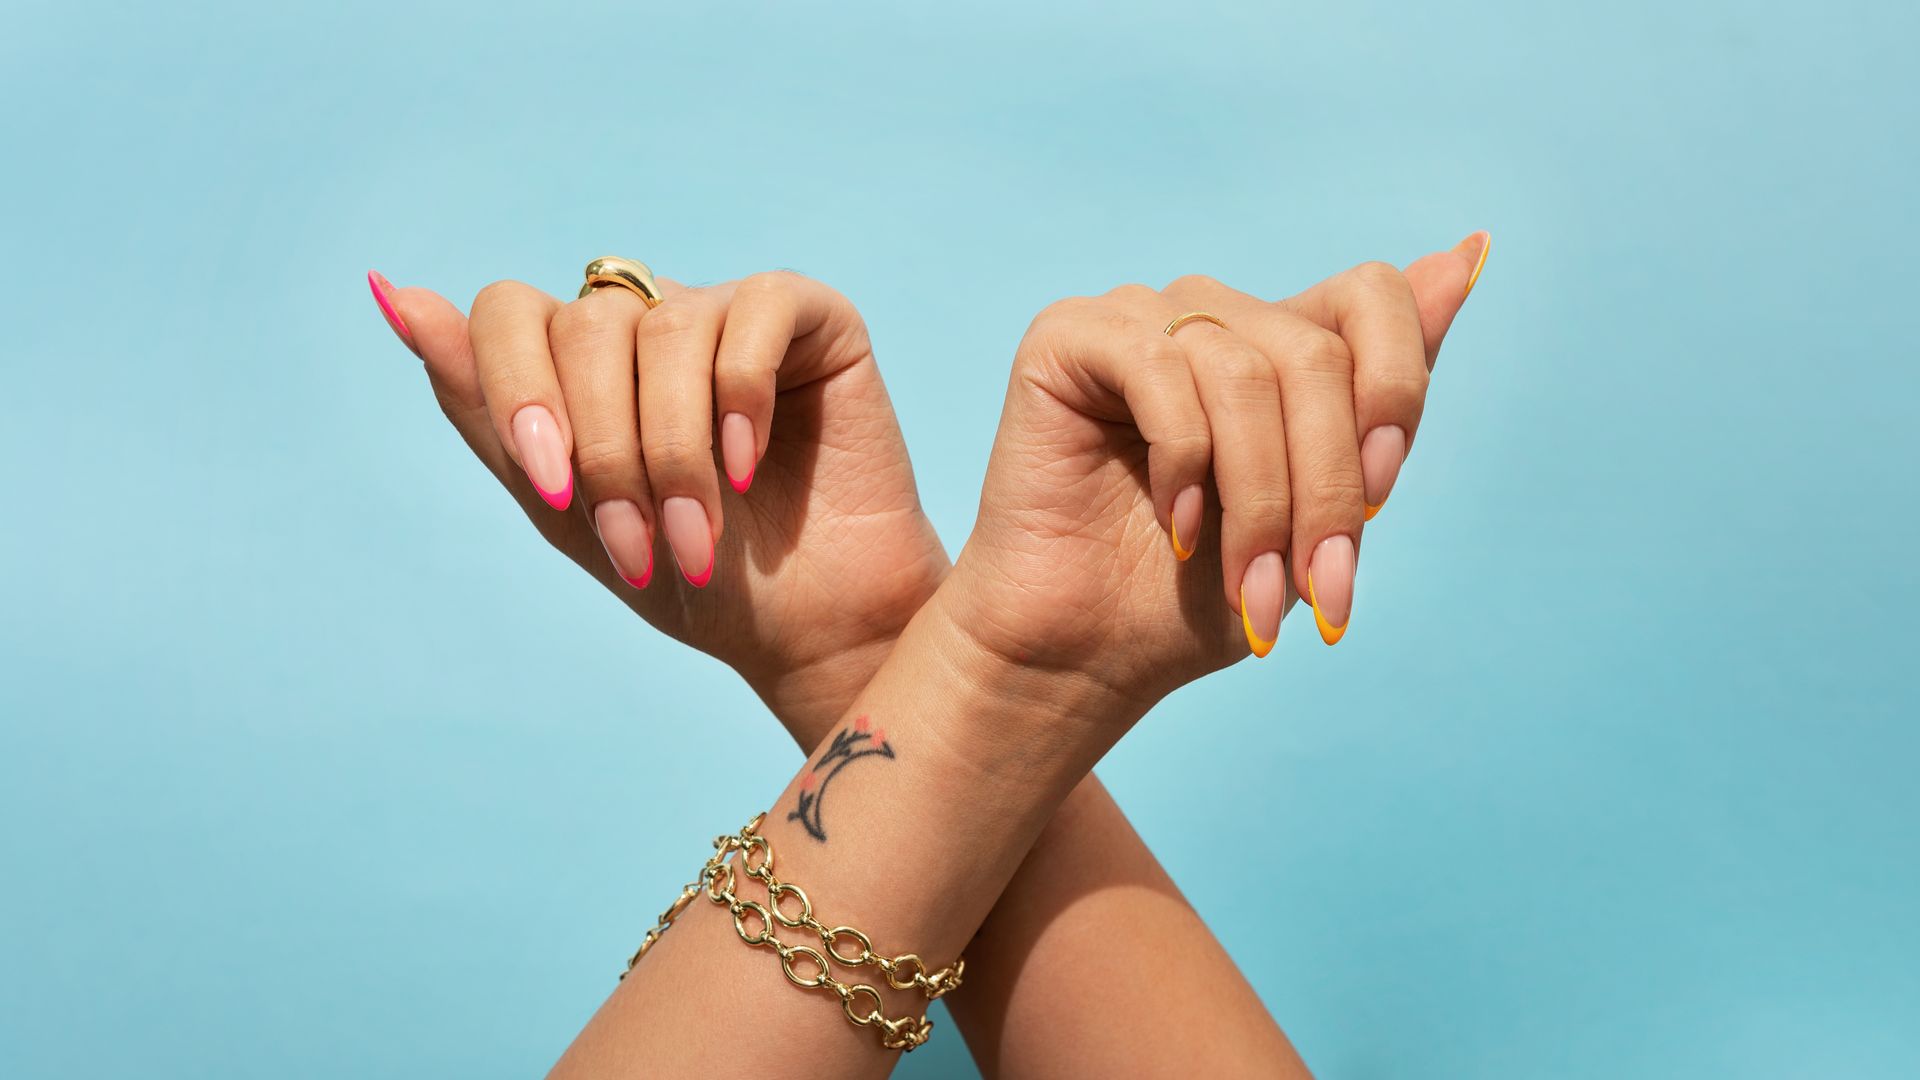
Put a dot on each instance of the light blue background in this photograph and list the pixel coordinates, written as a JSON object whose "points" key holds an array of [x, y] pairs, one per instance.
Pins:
{"points": [[316, 762]]}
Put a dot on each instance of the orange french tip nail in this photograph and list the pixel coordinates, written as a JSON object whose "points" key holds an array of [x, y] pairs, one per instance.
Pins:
{"points": [[1485, 247], [1260, 648], [1373, 508], [1329, 633], [1173, 534]]}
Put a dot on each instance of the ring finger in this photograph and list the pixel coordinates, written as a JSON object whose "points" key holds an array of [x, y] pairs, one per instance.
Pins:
{"points": [[1240, 391], [1315, 371]]}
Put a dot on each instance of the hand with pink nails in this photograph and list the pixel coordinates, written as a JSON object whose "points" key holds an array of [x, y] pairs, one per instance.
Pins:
{"points": [[1134, 438], [602, 418]]}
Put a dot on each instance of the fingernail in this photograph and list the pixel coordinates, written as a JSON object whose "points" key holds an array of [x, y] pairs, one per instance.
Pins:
{"points": [[1381, 454], [737, 449], [537, 437], [1484, 240], [383, 295], [690, 536], [1185, 518], [624, 534], [1263, 593], [1330, 586]]}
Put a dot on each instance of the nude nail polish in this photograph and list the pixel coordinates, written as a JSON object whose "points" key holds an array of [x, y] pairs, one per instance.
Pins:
{"points": [[738, 450], [543, 454], [383, 295], [1330, 586], [690, 535], [1263, 597], [629, 543], [1381, 454], [1185, 521]]}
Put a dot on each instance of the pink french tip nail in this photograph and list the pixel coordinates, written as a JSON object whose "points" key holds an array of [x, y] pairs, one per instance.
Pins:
{"points": [[690, 535], [1381, 454], [544, 455], [623, 532], [383, 295], [738, 450]]}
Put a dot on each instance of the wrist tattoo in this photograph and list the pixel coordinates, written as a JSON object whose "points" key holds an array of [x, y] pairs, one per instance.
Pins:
{"points": [[851, 743]]}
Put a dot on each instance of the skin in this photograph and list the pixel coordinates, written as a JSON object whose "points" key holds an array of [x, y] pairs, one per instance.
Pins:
{"points": [[1090, 905]]}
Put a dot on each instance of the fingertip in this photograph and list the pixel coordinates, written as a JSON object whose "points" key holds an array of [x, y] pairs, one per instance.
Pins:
{"points": [[1441, 282], [384, 295], [1474, 249], [1184, 521], [739, 450]]}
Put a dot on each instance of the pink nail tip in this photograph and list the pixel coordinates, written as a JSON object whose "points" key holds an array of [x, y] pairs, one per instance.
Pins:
{"points": [[641, 582], [561, 499], [699, 580], [383, 296], [741, 486]]}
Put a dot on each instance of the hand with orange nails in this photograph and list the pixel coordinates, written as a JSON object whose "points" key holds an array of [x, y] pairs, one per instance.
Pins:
{"points": [[1263, 443], [600, 416]]}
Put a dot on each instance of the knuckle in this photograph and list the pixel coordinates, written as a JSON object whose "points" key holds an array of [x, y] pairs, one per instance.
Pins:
{"points": [[605, 460], [675, 318], [765, 287], [495, 293], [1242, 371], [1323, 354], [1187, 446], [1400, 393], [1161, 352], [1269, 505], [1133, 293], [1336, 485], [1192, 283], [676, 454], [585, 321], [1375, 275]]}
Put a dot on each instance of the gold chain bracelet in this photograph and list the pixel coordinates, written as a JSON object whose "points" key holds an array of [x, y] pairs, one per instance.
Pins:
{"points": [[904, 972]]}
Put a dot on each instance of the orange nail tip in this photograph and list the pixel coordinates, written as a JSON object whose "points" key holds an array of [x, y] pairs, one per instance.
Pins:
{"points": [[1173, 534], [1486, 245], [1329, 633], [1259, 646], [1373, 508]]}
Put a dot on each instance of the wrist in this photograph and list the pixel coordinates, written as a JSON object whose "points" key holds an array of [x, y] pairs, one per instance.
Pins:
{"points": [[1000, 707]]}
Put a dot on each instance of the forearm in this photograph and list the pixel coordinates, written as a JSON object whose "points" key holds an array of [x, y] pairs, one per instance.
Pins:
{"points": [[1089, 908], [919, 843], [1094, 964]]}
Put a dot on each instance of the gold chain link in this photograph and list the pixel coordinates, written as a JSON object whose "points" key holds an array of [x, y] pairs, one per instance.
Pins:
{"points": [[904, 972]]}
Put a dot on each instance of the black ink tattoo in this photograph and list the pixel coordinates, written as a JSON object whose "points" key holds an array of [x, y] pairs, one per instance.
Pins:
{"points": [[850, 744]]}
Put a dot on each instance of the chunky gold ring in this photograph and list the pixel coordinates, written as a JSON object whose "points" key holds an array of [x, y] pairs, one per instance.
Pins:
{"points": [[1194, 316], [628, 274]]}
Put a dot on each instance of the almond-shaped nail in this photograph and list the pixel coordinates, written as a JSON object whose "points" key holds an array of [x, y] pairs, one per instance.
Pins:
{"points": [[1263, 596], [690, 535], [1184, 521], [1381, 454], [1330, 586], [1484, 241], [738, 450], [629, 543], [544, 455], [383, 295]]}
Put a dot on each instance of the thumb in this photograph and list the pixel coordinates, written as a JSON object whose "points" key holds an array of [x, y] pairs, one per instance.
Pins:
{"points": [[1441, 282]]}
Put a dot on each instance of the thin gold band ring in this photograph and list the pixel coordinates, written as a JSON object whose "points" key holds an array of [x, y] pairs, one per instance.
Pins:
{"points": [[1194, 316], [629, 274]]}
